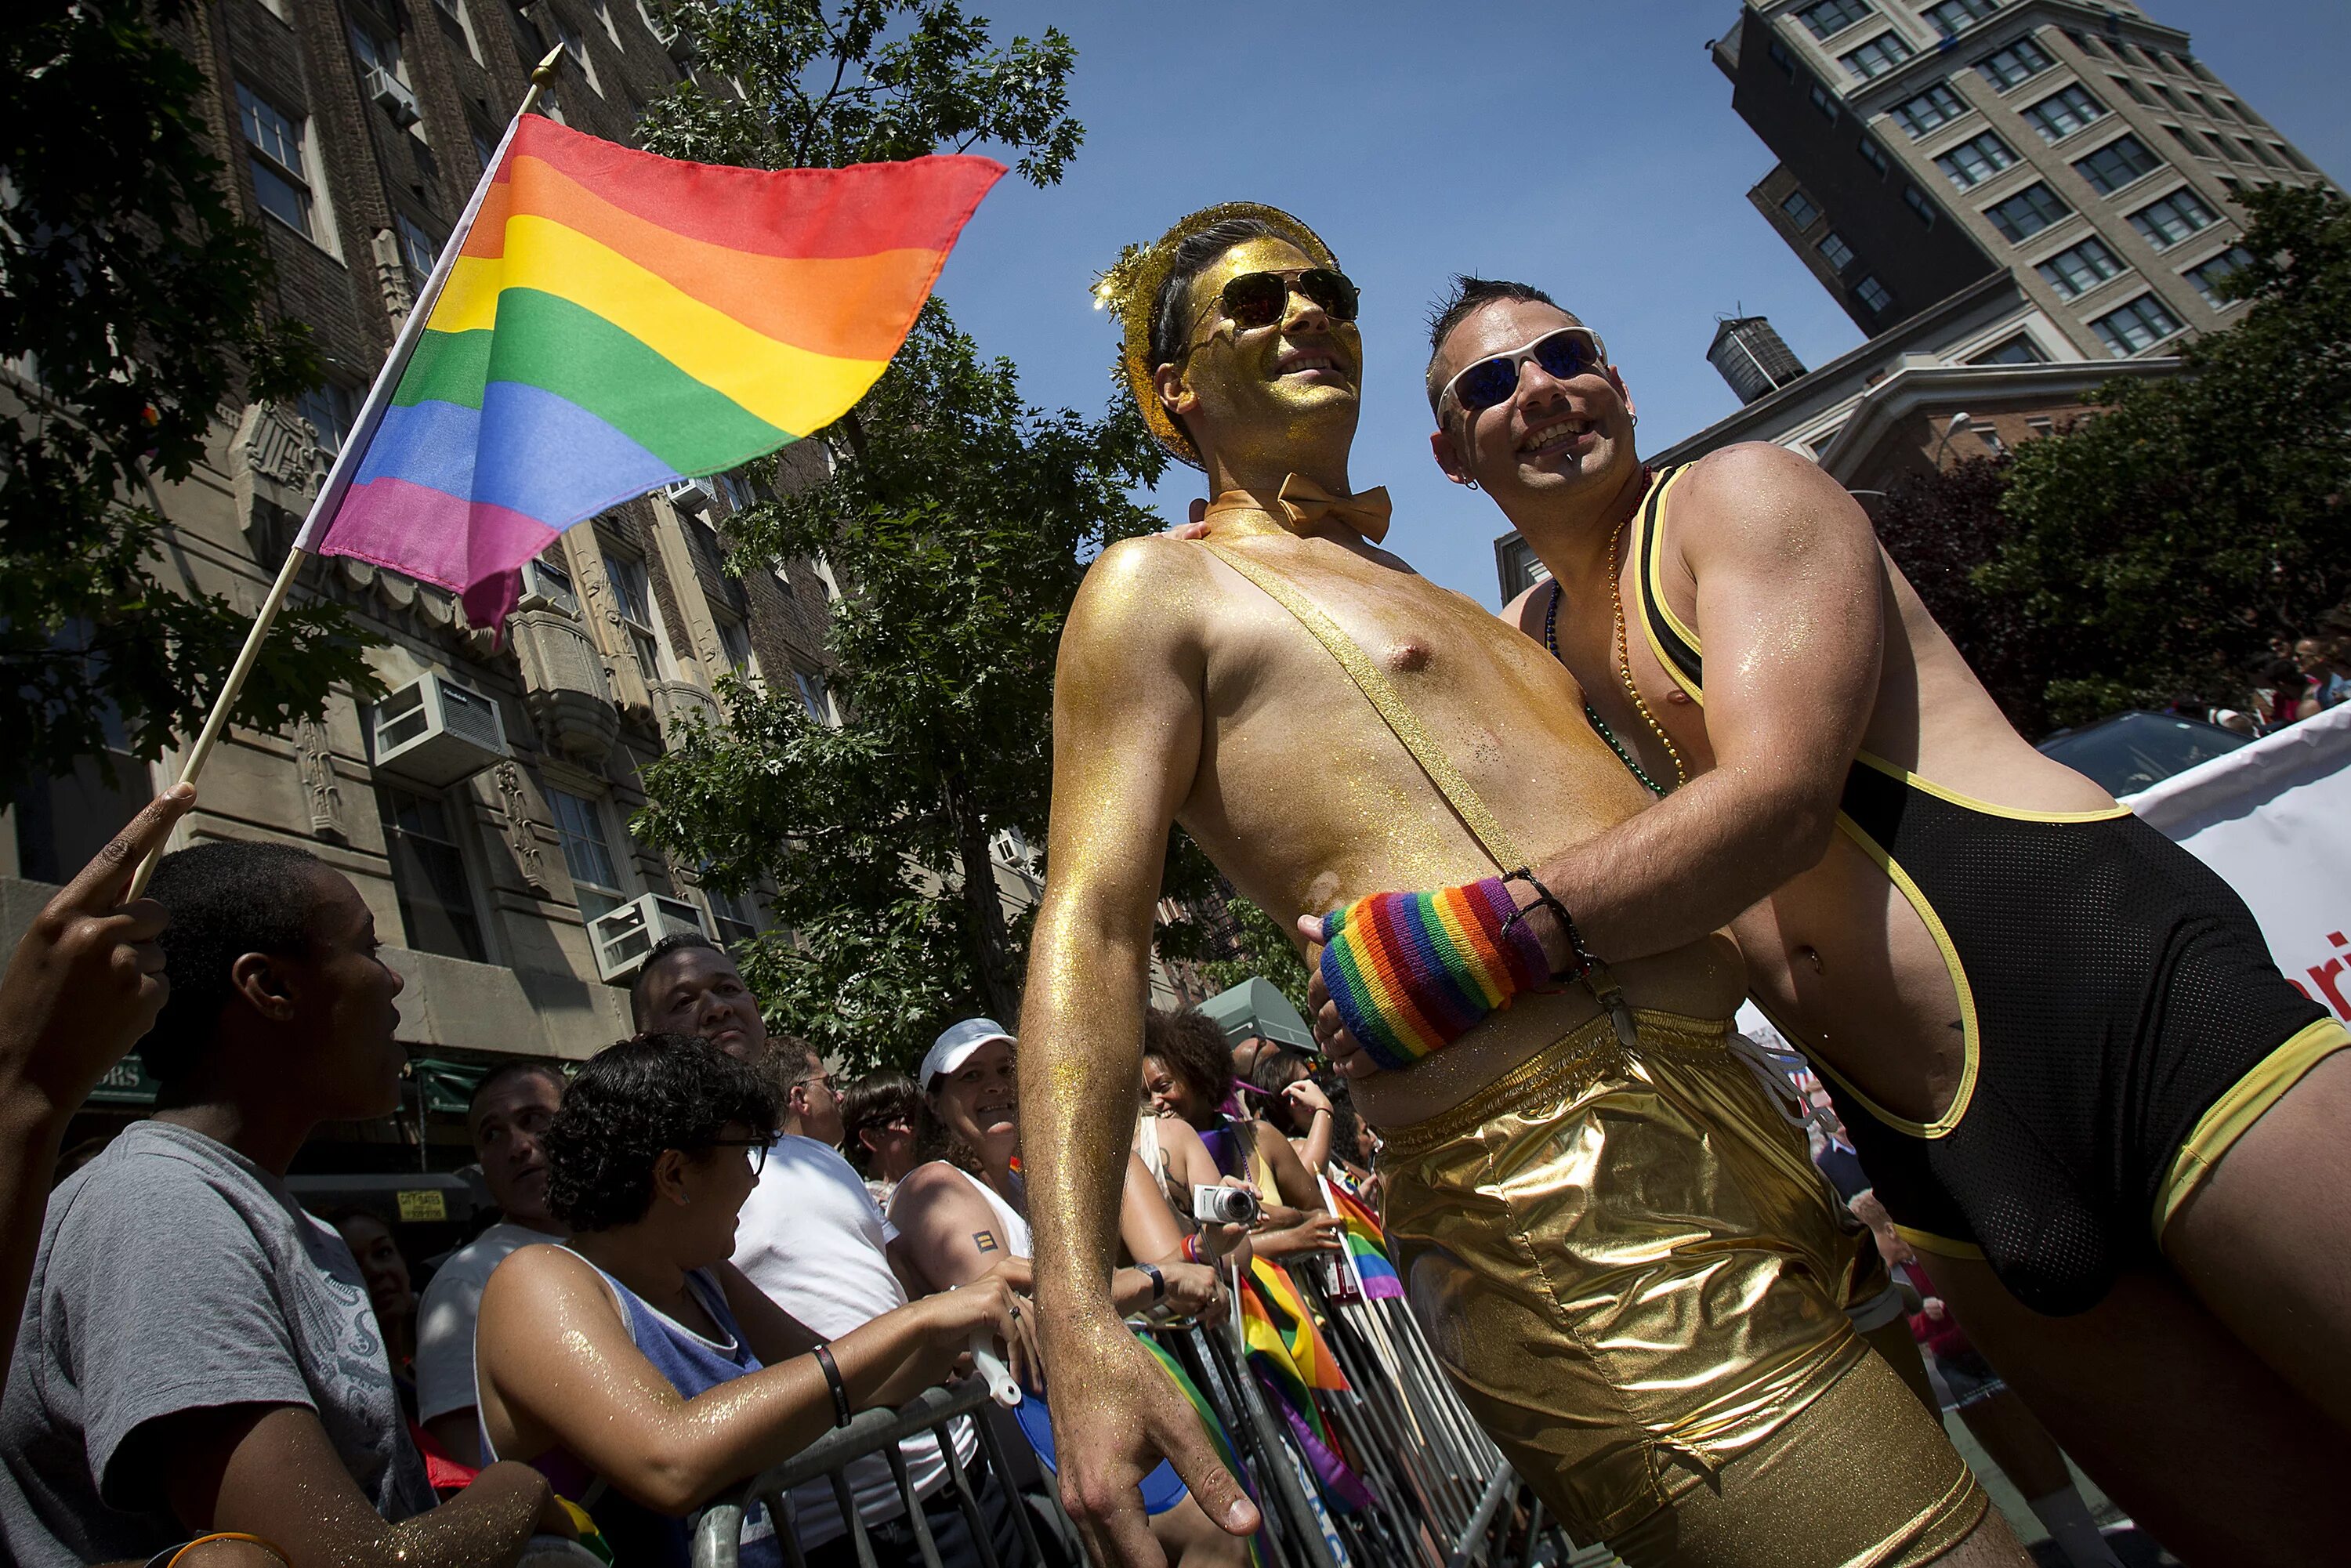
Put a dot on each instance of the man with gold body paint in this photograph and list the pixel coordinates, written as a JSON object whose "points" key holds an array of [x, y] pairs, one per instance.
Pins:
{"points": [[1613, 1241]]}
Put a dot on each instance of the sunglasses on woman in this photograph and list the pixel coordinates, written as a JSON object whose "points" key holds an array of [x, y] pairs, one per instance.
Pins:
{"points": [[1564, 352], [755, 1150], [1257, 300]]}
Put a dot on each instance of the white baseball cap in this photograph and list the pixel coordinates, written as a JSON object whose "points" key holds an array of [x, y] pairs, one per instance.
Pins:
{"points": [[954, 1048]]}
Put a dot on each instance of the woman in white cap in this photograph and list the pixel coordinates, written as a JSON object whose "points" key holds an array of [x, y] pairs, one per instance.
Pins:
{"points": [[965, 1211]]}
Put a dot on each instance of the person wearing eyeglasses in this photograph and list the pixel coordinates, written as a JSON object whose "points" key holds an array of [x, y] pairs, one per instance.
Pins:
{"points": [[1616, 1239], [2065, 1057], [633, 1365]]}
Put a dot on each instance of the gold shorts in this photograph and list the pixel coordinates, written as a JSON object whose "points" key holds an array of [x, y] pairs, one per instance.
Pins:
{"points": [[1634, 1274]]}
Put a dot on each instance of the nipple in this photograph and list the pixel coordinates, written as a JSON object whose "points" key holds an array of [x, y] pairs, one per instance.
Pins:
{"points": [[1676, 695], [1409, 657]]}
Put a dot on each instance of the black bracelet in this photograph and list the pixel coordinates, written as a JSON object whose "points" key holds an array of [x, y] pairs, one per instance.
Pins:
{"points": [[1585, 959], [842, 1414], [1158, 1280]]}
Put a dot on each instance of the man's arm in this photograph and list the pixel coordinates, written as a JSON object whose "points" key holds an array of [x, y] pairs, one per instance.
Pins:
{"points": [[1790, 609], [1128, 711]]}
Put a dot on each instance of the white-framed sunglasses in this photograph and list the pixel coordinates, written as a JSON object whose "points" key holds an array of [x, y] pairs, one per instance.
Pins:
{"points": [[1563, 351]]}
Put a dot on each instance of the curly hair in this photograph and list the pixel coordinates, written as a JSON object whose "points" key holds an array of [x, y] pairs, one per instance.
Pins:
{"points": [[630, 1103], [1192, 1048]]}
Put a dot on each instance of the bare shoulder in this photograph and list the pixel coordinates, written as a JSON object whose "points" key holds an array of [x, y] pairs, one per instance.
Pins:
{"points": [[1757, 499], [929, 1190], [1140, 600], [534, 1283], [1525, 614]]}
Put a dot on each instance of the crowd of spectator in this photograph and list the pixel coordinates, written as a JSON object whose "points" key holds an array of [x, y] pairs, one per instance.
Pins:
{"points": [[705, 1253], [2298, 677]]}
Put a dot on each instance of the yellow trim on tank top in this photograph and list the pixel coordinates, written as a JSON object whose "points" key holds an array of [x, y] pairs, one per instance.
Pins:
{"points": [[1986, 808], [1654, 505], [2232, 1115], [1941, 1245]]}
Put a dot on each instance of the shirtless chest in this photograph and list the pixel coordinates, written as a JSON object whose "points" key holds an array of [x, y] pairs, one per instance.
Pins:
{"points": [[1307, 798]]}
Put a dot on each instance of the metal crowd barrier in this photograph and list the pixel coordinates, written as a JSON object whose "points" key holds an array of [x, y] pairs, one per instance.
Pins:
{"points": [[1442, 1495]]}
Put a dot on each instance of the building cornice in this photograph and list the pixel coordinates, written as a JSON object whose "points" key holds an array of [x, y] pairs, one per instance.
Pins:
{"points": [[1904, 394]]}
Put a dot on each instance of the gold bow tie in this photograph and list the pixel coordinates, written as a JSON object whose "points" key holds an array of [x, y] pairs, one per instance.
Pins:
{"points": [[1308, 503]]}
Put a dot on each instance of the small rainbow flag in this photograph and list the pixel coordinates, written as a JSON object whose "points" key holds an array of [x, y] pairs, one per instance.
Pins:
{"points": [[1216, 1434], [606, 322], [1368, 1245], [1278, 1370], [1294, 1321]]}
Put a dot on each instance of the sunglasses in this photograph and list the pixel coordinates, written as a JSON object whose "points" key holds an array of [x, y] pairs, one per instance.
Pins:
{"points": [[1567, 351], [1257, 300], [755, 1150]]}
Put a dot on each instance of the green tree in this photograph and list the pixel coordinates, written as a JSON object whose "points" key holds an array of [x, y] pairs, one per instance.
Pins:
{"points": [[962, 519], [131, 311], [1267, 951], [2159, 546], [958, 518]]}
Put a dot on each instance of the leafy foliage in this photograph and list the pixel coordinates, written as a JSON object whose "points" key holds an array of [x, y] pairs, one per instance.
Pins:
{"points": [[964, 519], [2156, 550], [1267, 951], [867, 81], [132, 310]]}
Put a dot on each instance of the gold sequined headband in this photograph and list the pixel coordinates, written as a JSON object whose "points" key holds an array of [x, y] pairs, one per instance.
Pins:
{"points": [[1131, 288]]}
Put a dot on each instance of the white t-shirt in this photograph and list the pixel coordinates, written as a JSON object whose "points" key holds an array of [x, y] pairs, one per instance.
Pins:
{"points": [[812, 1237], [446, 1318]]}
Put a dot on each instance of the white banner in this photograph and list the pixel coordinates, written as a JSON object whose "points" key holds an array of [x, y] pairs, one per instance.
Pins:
{"points": [[2274, 820]]}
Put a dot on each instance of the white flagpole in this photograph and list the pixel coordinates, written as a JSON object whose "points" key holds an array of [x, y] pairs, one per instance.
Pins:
{"points": [[337, 482]]}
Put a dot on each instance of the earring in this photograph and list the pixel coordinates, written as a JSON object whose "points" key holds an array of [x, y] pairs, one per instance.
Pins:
{"points": [[1471, 483], [1637, 421]]}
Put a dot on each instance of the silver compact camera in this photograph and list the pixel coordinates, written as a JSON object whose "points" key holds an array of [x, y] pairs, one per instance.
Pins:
{"points": [[1224, 1206]]}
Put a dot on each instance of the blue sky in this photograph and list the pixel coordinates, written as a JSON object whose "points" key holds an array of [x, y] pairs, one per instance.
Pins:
{"points": [[1587, 148]]}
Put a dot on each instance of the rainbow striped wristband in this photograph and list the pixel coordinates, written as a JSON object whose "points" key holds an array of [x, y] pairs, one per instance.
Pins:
{"points": [[1410, 973]]}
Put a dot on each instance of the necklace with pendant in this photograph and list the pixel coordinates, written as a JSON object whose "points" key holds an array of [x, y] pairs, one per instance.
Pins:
{"points": [[1624, 669]]}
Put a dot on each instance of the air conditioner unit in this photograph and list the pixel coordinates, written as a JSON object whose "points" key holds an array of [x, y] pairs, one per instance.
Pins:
{"points": [[551, 584], [692, 494], [391, 95], [435, 732], [624, 938]]}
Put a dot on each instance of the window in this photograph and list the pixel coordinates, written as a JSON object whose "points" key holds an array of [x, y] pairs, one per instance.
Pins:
{"points": [[1839, 253], [2080, 268], [733, 914], [417, 249], [2020, 350], [1990, 438], [2169, 62], [2236, 110], [2040, 425], [2190, 141], [735, 641], [281, 176], [1973, 162], [604, 15], [328, 407], [815, 697], [1800, 210], [1783, 59], [2138, 326], [2170, 97], [2021, 61], [1875, 58], [2063, 113], [1872, 154], [428, 876], [2027, 212], [2116, 164], [577, 47], [1952, 17], [1825, 102], [455, 11], [634, 599], [1939, 105], [2207, 276], [1920, 207], [2297, 160], [2129, 56], [2166, 221], [2260, 151], [2204, 104], [379, 53], [1830, 16], [1873, 294], [580, 823], [2088, 46], [2137, 94]]}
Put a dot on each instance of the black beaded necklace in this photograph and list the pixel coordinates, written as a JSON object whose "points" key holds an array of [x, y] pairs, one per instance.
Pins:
{"points": [[1591, 714]]}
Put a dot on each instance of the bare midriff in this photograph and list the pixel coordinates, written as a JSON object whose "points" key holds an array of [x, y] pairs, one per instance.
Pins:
{"points": [[1306, 800]]}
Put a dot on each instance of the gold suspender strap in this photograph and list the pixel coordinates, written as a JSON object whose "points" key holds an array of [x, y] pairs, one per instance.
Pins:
{"points": [[1405, 725], [1390, 705]]}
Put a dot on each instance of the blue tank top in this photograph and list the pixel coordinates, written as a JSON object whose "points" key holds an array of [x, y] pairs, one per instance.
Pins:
{"points": [[637, 1533]]}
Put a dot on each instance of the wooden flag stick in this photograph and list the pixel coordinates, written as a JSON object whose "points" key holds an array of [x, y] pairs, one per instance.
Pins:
{"points": [[337, 482]]}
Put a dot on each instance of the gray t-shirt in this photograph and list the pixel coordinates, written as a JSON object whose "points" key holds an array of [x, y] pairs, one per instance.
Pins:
{"points": [[446, 1316], [175, 1275]]}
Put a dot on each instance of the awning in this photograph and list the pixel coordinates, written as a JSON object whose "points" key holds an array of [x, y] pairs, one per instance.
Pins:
{"points": [[1254, 1008], [448, 1085]]}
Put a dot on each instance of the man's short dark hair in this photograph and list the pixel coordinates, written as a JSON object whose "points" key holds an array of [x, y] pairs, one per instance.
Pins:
{"points": [[631, 1102], [506, 1072], [1169, 321], [1467, 297], [875, 1100], [1192, 1048], [675, 942], [227, 898]]}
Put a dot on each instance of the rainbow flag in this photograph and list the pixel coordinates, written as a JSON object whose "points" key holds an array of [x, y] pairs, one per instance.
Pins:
{"points": [[1278, 1370], [605, 322], [1294, 1321], [1368, 1245], [1216, 1434]]}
